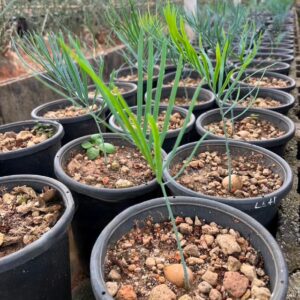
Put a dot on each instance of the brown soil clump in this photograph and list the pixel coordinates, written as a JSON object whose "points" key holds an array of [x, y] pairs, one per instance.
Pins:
{"points": [[25, 216], [11, 141]]}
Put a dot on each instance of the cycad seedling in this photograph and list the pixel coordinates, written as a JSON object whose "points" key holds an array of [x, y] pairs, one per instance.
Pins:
{"points": [[220, 82]]}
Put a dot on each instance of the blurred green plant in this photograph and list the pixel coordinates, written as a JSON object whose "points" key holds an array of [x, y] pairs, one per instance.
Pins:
{"points": [[220, 82]]}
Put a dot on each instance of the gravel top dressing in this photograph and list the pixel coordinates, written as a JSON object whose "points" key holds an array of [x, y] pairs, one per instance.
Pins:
{"points": [[69, 112], [251, 128], [267, 82], [207, 174], [259, 102], [123, 169], [145, 264]]}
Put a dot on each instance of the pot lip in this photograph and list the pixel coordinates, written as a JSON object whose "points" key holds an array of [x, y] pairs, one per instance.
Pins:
{"points": [[275, 55], [97, 278], [278, 141], [289, 97], [291, 81], [80, 187], [36, 148], [269, 48], [155, 68], [170, 133], [47, 239], [184, 72], [203, 91], [279, 45], [35, 112], [281, 65], [288, 178]]}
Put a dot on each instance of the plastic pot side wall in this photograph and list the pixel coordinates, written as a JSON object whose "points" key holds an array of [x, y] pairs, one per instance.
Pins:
{"points": [[40, 270]]}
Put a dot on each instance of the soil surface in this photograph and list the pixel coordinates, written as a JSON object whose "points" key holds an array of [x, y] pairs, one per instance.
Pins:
{"points": [[69, 112], [259, 102], [186, 82], [251, 128], [181, 101], [132, 77], [268, 82], [11, 141], [25, 216], [125, 168], [145, 264], [176, 121], [115, 91], [207, 174]]}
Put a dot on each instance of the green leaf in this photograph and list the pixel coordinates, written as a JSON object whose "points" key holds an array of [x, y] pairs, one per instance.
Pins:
{"points": [[98, 141], [86, 145], [92, 153], [95, 137], [108, 148]]}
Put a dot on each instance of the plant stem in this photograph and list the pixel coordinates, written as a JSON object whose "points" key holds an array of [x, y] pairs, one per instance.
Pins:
{"points": [[100, 132], [227, 149], [171, 215]]}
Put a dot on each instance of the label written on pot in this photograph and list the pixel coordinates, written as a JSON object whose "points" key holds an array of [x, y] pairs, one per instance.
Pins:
{"points": [[265, 203]]}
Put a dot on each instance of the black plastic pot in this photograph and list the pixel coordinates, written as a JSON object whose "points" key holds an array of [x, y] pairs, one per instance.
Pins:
{"points": [[170, 66], [206, 98], [73, 127], [41, 270], [96, 207], [130, 91], [37, 159], [272, 66], [277, 145], [287, 100], [262, 208], [185, 74], [274, 50], [291, 81], [171, 134], [130, 70], [274, 57], [211, 211]]}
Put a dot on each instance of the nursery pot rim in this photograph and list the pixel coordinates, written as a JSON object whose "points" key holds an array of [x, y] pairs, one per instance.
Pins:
{"points": [[32, 250], [282, 66], [287, 180], [129, 68], [82, 188], [183, 74], [86, 116], [97, 276], [290, 80], [170, 133], [278, 140], [270, 49], [132, 85], [288, 96], [58, 135], [199, 104], [286, 57]]}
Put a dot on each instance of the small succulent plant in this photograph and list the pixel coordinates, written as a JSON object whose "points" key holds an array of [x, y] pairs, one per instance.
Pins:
{"points": [[95, 146]]}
